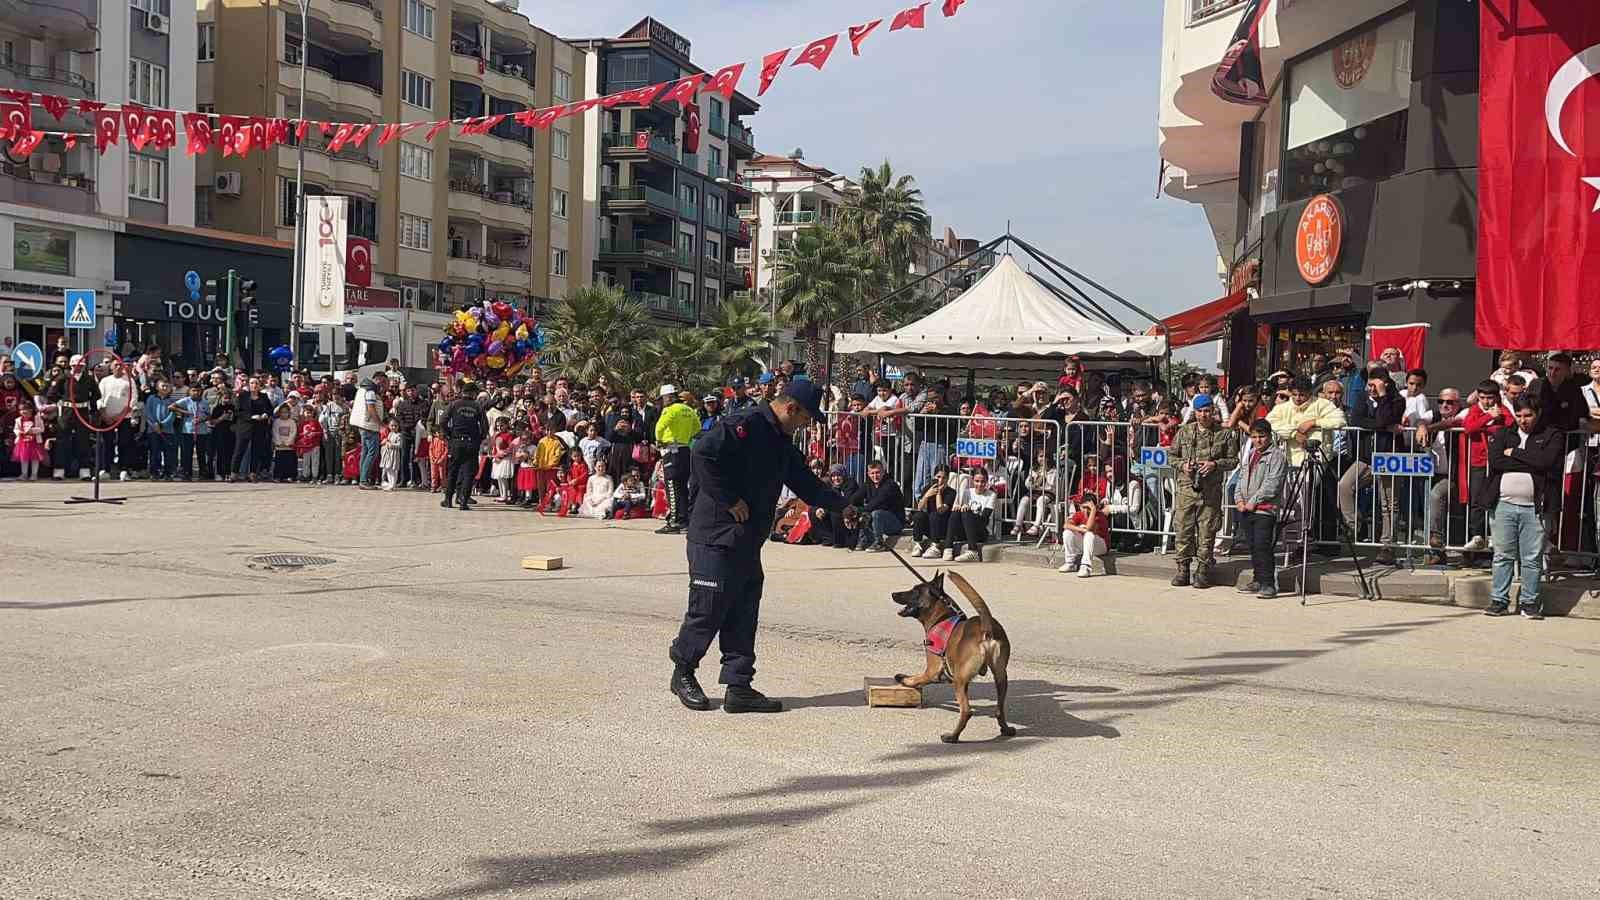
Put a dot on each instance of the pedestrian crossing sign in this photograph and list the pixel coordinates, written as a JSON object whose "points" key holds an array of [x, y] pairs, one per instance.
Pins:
{"points": [[78, 308]]}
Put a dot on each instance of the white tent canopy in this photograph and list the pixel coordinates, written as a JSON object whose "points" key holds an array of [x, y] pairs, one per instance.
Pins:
{"points": [[1007, 313]]}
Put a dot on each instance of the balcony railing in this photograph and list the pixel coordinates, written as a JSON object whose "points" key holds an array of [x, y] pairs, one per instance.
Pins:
{"points": [[48, 75], [1201, 10], [717, 125], [377, 12], [628, 140], [478, 188], [739, 134], [688, 209], [500, 262], [691, 161], [804, 217], [661, 304], [21, 172], [713, 266], [638, 192], [654, 249], [463, 253], [735, 225], [746, 210]]}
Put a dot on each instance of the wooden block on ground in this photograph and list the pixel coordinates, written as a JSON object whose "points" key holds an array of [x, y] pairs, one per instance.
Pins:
{"points": [[544, 563], [888, 692]]}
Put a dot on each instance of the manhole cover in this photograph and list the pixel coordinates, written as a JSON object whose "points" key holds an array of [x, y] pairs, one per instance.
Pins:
{"points": [[289, 561]]}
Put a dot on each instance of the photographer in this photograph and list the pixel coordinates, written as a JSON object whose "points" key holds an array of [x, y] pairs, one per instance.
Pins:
{"points": [[1202, 452]]}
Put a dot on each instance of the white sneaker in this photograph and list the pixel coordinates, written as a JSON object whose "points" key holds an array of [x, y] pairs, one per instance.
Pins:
{"points": [[1085, 572], [931, 553], [104, 474], [969, 556], [949, 554], [123, 477], [1477, 543], [1069, 565]]}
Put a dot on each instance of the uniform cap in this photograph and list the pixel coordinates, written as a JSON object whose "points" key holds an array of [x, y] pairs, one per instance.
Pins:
{"points": [[807, 394], [668, 390], [766, 378], [1202, 401]]}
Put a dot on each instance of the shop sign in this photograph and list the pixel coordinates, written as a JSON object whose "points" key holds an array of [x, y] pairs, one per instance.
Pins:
{"points": [[37, 249], [1319, 238], [1244, 275], [371, 297], [201, 312], [1352, 60]]}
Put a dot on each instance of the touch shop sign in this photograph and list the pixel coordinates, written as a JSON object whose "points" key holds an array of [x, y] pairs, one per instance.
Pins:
{"points": [[202, 312]]}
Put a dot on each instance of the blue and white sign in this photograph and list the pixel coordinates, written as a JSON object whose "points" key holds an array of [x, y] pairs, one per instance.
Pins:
{"points": [[77, 309], [28, 359], [1154, 457], [191, 280], [977, 448], [1411, 465], [894, 373]]}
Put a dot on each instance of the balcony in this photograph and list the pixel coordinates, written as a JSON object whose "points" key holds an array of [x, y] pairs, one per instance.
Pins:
{"points": [[640, 193], [45, 79], [503, 262], [1201, 10], [691, 161], [351, 17], [739, 275], [625, 144], [463, 264], [717, 125], [662, 305], [689, 210], [739, 295], [68, 192], [319, 81], [736, 226], [713, 266], [746, 212], [741, 140], [803, 217], [651, 251]]}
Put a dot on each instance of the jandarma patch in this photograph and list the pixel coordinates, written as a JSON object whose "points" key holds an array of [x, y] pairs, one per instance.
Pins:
{"points": [[700, 582]]}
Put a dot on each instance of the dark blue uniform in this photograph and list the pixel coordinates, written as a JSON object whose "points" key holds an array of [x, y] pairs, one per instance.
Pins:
{"points": [[745, 456]]}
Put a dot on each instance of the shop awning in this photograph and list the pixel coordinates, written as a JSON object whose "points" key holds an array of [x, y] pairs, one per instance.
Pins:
{"points": [[1206, 322]]}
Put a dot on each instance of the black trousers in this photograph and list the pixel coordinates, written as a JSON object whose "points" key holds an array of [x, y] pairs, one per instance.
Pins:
{"points": [[1261, 529], [976, 527], [930, 526], [676, 467], [724, 600], [829, 530], [243, 454], [75, 441], [460, 470]]}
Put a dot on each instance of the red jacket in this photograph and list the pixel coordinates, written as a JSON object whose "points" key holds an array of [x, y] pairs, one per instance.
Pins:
{"points": [[1476, 430]]}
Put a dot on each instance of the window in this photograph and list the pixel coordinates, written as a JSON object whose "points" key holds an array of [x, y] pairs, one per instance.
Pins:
{"points": [[39, 249], [362, 218], [561, 88], [206, 108], [147, 83], [419, 18], [558, 261], [688, 194], [415, 89], [686, 291], [286, 204], [207, 44], [152, 6], [558, 203], [624, 71], [710, 295], [416, 233], [713, 250], [713, 206], [202, 205], [560, 143], [686, 244], [716, 110], [416, 162], [147, 178], [715, 168]]}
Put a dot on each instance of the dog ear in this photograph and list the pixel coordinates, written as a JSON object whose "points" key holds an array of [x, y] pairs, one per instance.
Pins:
{"points": [[938, 581]]}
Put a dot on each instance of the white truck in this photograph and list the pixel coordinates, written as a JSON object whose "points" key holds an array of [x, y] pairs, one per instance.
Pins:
{"points": [[372, 337]]}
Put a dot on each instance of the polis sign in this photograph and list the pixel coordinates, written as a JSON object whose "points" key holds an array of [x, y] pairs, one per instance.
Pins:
{"points": [[1319, 239]]}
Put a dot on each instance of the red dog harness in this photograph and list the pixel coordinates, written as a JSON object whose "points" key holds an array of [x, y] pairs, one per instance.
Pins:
{"points": [[939, 635]]}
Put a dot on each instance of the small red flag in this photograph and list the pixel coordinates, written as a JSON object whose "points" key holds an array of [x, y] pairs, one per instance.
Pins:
{"points": [[646, 95], [198, 128], [14, 120], [339, 137], [915, 17], [641, 140], [133, 125], [327, 128], [358, 261], [950, 7], [90, 107], [771, 64], [544, 117], [817, 52], [438, 126], [23, 97], [57, 106], [300, 129], [691, 130], [726, 81], [163, 127], [684, 90], [388, 134], [858, 34], [23, 145], [106, 123]]}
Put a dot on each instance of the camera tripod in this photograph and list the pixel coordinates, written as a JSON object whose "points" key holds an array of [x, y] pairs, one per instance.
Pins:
{"points": [[1299, 493]]}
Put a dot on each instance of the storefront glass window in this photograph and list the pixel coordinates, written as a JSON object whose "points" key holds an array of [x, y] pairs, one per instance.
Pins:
{"points": [[1294, 348], [38, 249]]}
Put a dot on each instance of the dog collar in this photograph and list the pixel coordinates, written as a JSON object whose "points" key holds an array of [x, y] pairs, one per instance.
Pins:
{"points": [[939, 635]]}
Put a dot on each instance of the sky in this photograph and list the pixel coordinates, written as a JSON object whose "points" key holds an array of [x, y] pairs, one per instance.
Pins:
{"points": [[1040, 113]]}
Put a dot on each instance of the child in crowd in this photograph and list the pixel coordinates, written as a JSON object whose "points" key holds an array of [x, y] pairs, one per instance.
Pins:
{"points": [[930, 520], [1039, 498], [546, 465], [975, 508], [308, 443], [577, 482], [284, 431], [393, 455], [631, 501], [1085, 536], [352, 455], [524, 451], [594, 447], [505, 465], [29, 450], [420, 456], [438, 457], [333, 416], [597, 496]]}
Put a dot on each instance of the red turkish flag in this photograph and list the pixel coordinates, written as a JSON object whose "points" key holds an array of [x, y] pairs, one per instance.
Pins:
{"points": [[641, 140], [14, 120], [23, 146], [544, 117], [691, 130], [581, 107], [106, 123], [278, 129], [260, 132], [358, 137], [388, 134], [771, 65], [1410, 340], [57, 106], [950, 7], [163, 125], [523, 117], [90, 107], [726, 81], [358, 261], [136, 125], [339, 137], [684, 90], [1538, 176], [300, 130], [858, 34], [817, 52], [433, 132], [198, 127], [915, 17], [23, 97], [228, 130]]}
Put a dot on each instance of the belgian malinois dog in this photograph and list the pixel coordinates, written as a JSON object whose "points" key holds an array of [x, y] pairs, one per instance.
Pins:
{"points": [[958, 649]]}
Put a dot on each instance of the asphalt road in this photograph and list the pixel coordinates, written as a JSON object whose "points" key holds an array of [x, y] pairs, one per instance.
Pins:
{"points": [[423, 719]]}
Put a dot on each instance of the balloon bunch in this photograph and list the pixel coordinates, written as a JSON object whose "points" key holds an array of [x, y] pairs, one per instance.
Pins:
{"points": [[494, 337], [280, 358]]}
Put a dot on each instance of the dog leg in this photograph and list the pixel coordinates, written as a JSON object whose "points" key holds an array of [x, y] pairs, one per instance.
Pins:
{"points": [[929, 675], [1000, 708], [966, 713]]}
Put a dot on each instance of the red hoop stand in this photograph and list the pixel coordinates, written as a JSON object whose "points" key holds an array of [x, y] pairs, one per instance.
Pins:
{"points": [[99, 432]]}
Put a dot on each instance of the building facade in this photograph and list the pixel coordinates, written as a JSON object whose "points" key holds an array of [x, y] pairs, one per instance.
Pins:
{"points": [[453, 220], [1372, 114], [61, 207], [669, 231]]}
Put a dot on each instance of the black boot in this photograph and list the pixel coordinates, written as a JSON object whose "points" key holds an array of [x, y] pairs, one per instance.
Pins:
{"points": [[1182, 578], [1202, 576], [688, 689], [445, 503], [741, 698]]}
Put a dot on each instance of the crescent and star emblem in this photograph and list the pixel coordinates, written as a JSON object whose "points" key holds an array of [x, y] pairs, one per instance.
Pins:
{"points": [[1567, 80]]}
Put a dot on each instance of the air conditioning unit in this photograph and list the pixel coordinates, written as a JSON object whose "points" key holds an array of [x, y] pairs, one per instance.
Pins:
{"points": [[766, 252], [229, 184], [408, 296], [156, 22]]}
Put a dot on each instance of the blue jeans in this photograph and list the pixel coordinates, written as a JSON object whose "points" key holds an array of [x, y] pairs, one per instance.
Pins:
{"points": [[856, 466], [929, 457], [1518, 539], [881, 524], [162, 454], [369, 456]]}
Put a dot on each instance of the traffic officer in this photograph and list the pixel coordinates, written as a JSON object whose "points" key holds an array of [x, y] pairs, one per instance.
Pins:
{"points": [[676, 427], [739, 467], [1202, 451], [465, 425], [710, 410]]}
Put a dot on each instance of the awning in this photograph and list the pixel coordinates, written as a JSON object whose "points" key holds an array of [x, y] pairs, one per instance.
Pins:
{"points": [[1207, 322]]}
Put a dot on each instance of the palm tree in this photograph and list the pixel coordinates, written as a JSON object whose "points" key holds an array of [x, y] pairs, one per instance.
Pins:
{"points": [[594, 331], [821, 278], [887, 213], [741, 333], [685, 357]]}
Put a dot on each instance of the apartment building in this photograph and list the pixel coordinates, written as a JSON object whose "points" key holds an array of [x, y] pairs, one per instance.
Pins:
{"points": [[668, 231], [454, 220], [61, 208]]}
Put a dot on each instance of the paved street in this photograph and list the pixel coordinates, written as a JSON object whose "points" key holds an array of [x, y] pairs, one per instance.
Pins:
{"points": [[423, 719]]}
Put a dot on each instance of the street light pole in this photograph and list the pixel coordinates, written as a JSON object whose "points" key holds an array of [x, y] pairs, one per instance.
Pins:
{"points": [[300, 192]]}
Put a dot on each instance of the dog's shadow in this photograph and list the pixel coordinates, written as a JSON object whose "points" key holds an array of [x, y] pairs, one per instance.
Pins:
{"points": [[1038, 709]]}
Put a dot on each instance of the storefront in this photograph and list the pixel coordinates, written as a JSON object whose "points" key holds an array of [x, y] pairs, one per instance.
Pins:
{"points": [[159, 309], [40, 259], [1357, 194]]}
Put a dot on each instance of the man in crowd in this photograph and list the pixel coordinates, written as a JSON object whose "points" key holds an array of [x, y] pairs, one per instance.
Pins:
{"points": [[1523, 488], [1436, 436], [82, 395], [741, 396], [710, 410], [1351, 379], [676, 429], [1203, 452], [116, 398], [1379, 413], [366, 415], [863, 385], [465, 428], [882, 505], [408, 410]]}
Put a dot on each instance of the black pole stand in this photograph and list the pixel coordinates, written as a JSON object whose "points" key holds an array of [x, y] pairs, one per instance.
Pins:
{"points": [[115, 501]]}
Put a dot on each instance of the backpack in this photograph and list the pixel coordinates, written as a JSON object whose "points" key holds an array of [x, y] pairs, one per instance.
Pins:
{"points": [[463, 423]]}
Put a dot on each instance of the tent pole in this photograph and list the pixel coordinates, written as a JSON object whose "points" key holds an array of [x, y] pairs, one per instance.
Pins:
{"points": [[893, 294], [1104, 313], [1040, 254], [1095, 312]]}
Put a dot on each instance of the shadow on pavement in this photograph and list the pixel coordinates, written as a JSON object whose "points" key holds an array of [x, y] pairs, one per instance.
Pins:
{"points": [[798, 815], [507, 873]]}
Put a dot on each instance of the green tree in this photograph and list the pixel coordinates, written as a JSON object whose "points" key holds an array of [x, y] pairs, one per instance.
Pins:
{"points": [[594, 331], [685, 357], [888, 214], [742, 333], [820, 279]]}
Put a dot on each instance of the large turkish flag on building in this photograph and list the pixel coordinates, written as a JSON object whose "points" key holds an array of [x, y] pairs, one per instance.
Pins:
{"points": [[1539, 176]]}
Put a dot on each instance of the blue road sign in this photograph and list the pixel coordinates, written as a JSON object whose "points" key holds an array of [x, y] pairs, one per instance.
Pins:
{"points": [[977, 448], [191, 280], [28, 359], [1154, 457], [77, 309], [1406, 465]]}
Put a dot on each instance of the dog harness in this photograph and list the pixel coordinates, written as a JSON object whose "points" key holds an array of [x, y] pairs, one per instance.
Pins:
{"points": [[939, 635]]}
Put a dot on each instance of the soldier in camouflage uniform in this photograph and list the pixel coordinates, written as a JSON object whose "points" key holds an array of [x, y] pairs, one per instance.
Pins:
{"points": [[1202, 453]]}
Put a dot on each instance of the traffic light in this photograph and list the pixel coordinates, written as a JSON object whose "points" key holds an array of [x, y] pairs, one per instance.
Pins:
{"points": [[230, 333]]}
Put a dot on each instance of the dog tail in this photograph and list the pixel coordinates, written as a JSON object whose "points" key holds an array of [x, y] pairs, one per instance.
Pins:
{"points": [[971, 593]]}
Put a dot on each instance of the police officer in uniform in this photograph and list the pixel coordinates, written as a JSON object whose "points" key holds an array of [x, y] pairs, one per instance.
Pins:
{"points": [[82, 395], [465, 426], [739, 467], [676, 428]]}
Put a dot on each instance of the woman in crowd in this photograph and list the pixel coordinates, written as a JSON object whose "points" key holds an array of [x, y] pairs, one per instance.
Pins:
{"points": [[975, 506], [930, 517], [1086, 535]]}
